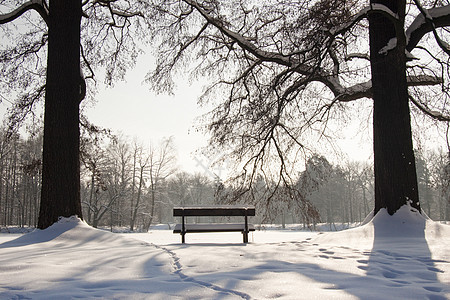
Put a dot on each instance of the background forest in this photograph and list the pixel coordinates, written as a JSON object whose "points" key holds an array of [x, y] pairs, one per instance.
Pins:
{"points": [[124, 184]]}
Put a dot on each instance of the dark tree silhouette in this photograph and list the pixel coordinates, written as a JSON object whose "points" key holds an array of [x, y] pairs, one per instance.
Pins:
{"points": [[282, 69], [60, 194], [394, 163], [106, 42]]}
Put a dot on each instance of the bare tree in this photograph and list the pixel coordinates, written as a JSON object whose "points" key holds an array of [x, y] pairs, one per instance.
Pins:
{"points": [[103, 187], [140, 165], [120, 177], [20, 171], [162, 164], [440, 174], [46, 58], [284, 69]]}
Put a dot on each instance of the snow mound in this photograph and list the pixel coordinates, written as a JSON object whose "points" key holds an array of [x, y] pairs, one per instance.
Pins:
{"points": [[71, 260], [68, 231], [406, 223]]}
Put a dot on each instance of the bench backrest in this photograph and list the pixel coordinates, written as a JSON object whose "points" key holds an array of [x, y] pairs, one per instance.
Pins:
{"points": [[209, 211]]}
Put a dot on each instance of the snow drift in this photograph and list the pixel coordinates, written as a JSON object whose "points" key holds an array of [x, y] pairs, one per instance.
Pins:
{"points": [[391, 257]]}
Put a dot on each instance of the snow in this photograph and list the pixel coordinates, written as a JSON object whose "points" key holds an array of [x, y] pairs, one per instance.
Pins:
{"points": [[420, 20], [390, 46], [404, 256]]}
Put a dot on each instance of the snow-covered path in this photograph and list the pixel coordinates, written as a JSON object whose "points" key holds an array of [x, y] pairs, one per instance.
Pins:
{"points": [[400, 257]]}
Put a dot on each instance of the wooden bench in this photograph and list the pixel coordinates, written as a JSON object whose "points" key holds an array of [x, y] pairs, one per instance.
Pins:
{"points": [[213, 211]]}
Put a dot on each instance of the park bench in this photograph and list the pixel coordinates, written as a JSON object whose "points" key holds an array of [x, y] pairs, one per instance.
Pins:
{"points": [[213, 211]]}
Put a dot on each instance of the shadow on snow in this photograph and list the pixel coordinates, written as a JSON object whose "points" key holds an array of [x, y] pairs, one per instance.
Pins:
{"points": [[392, 270]]}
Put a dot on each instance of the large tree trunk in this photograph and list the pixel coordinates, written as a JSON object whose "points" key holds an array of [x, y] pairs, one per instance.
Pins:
{"points": [[395, 170], [61, 169]]}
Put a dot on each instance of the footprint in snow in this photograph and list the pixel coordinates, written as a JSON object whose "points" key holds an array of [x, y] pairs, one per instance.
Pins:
{"points": [[433, 289]]}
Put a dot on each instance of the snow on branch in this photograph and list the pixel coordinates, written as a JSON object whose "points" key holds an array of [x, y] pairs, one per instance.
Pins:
{"points": [[39, 6], [314, 73], [428, 21], [352, 56], [364, 89], [115, 12], [241, 40], [423, 80], [373, 8], [432, 113], [331, 80]]}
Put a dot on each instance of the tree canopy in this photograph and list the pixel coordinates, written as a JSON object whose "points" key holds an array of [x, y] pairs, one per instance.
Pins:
{"points": [[46, 57], [278, 70], [111, 37]]}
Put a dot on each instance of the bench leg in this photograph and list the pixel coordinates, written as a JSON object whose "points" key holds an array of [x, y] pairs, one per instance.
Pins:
{"points": [[245, 234], [183, 230], [246, 228]]}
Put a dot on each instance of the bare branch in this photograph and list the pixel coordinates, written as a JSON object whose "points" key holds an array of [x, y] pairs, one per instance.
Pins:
{"points": [[374, 8], [23, 108], [427, 21], [86, 61], [431, 113], [363, 56], [39, 6], [423, 80], [118, 12], [242, 41]]}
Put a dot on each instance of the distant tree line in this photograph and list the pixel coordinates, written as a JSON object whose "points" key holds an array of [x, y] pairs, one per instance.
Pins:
{"points": [[344, 193], [20, 184], [124, 184]]}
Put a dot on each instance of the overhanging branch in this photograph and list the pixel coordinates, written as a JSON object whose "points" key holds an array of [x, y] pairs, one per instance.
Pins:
{"points": [[423, 80], [427, 21], [373, 8], [38, 5], [242, 41], [431, 113], [342, 93]]}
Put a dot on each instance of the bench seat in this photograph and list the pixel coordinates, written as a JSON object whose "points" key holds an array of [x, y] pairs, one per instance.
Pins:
{"points": [[214, 211], [220, 227]]}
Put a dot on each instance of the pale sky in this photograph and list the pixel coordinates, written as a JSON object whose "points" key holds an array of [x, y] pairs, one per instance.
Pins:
{"points": [[133, 109]]}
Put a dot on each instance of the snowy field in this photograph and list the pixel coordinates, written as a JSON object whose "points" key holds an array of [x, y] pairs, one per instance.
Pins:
{"points": [[400, 257]]}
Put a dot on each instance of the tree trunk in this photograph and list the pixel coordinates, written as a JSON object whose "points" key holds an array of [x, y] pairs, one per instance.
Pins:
{"points": [[152, 209], [60, 195], [133, 185], [395, 171], [13, 184], [447, 209], [138, 199], [2, 164]]}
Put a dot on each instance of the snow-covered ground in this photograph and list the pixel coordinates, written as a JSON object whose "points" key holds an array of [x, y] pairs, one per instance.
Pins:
{"points": [[399, 257]]}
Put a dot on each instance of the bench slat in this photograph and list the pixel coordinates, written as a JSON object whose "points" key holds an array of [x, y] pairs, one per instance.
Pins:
{"points": [[206, 211], [223, 210], [219, 227]]}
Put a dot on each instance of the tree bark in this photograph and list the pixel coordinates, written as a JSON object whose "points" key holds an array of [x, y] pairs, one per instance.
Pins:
{"points": [[60, 194], [394, 163]]}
